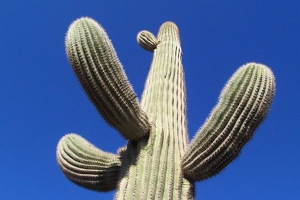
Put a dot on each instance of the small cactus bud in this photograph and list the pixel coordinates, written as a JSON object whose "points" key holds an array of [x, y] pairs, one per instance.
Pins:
{"points": [[147, 40]]}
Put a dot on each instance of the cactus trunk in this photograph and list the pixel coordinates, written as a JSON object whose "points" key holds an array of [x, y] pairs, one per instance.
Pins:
{"points": [[155, 172]]}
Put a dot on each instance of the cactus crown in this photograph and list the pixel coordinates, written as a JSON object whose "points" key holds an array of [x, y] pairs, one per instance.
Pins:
{"points": [[158, 161]]}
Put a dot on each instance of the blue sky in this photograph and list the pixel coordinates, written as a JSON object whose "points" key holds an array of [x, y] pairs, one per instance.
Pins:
{"points": [[41, 100]]}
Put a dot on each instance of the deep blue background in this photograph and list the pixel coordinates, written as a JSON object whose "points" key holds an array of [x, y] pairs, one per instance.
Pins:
{"points": [[41, 100]]}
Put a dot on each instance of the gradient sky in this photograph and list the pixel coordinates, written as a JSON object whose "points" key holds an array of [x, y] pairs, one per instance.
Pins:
{"points": [[41, 99]]}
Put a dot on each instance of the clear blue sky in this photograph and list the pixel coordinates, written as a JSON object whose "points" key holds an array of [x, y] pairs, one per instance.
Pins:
{"points": [[41, 99]]}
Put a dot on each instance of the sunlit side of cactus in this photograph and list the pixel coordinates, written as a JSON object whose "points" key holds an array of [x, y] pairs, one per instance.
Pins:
{"points": [[158, 162]]}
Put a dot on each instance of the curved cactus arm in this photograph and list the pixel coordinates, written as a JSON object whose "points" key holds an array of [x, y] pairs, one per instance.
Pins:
{"points": [[147, 40], [86, 165], [99, 71], [243, 105]]}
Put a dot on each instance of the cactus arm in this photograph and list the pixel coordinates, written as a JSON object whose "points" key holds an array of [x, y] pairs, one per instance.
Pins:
{"points": [[243, 105], [86, 165], [99, 71]]}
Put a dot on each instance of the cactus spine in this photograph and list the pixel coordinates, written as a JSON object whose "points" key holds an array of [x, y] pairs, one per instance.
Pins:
{"points": [[158, 162]]}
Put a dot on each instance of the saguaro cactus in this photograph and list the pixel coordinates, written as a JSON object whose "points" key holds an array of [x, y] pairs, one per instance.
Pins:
{"points": [[158, 161]]}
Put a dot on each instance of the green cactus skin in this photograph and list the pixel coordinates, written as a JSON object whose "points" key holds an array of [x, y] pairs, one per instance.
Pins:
{"points": [[158, 162]]}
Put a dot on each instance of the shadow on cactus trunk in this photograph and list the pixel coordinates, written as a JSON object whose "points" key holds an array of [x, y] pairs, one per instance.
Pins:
{"points": [[158, 161]]}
